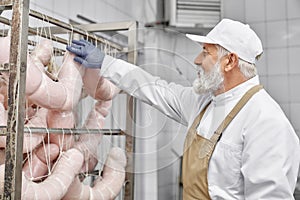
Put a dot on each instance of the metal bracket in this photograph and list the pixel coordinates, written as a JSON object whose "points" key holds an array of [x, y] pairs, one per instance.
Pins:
{"points": [[4, 67], [6, 6]]}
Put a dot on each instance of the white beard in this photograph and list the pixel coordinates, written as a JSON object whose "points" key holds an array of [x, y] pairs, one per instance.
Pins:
{"points": [[209, 82]]}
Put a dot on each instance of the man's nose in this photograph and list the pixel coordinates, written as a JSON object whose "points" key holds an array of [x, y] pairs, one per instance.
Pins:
{"points": [[198, 59]]}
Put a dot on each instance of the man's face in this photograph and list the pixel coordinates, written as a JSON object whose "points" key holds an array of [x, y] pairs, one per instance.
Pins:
{"points": [[210, 77]]}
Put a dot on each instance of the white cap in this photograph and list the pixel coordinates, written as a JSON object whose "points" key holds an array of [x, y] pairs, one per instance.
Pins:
{"points": [[234, 36]]}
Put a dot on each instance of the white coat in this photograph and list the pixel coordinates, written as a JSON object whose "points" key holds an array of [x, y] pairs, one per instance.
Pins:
{"points": [[258, 154]]}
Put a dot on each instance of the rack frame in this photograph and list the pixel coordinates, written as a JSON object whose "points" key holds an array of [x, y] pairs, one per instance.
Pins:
{"points": [[16, 93]]}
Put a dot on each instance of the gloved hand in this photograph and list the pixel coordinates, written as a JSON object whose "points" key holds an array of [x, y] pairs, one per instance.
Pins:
{"points": [[86, 54]]}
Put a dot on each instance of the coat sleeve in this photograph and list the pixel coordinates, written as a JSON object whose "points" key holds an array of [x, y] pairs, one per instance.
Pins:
{"points": [[270, 158], [171, 99]]}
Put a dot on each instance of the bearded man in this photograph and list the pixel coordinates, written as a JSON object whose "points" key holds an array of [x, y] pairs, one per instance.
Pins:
{"points": [[239, 145]]}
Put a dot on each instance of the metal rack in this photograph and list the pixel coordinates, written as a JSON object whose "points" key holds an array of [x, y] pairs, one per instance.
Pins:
{"points": [[16, 93]]}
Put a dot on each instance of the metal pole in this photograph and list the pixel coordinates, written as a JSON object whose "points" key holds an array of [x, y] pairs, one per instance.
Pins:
{"points": [[131, 118], [72, 28], [16, 95], [34, 32], [62, 26], [68, 131]]}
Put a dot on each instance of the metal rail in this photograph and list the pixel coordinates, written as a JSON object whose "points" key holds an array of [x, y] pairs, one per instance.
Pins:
{"points": [[72, 28], [69, 27], [4, 67], [57, 51], [34, 31], [67, 131]]}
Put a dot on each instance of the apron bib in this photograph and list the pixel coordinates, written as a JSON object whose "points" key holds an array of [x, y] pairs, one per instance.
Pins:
{"points": [[198, 151]]}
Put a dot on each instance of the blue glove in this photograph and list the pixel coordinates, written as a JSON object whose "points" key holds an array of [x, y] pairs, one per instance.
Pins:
{"points": [[86, 54]]}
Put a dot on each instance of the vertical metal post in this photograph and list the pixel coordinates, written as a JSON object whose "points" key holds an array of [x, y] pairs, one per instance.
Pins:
{"points": [[131, 118], [16, 95]]}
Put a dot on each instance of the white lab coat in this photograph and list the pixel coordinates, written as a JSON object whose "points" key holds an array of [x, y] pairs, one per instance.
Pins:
{"points": [[258, 154]]}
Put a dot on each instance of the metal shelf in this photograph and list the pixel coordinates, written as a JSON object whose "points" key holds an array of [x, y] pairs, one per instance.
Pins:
{"points": [[67, 131], [17, 69]]}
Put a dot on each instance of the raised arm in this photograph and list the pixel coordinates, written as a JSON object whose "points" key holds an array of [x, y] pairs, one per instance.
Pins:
{"points": [[171, 99]]}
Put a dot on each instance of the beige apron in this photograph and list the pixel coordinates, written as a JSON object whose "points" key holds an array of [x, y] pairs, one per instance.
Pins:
{"points": [[198, 150]]}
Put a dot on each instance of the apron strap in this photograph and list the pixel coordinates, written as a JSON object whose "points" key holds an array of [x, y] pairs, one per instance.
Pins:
{"points": [[199, 117], [218, 133]]}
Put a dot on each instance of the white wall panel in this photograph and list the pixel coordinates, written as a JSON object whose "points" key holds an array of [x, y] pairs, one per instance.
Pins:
{"points": [[295, 116], [101, 12], [42, 3], [262, 65], [294, 32], [275, 10], [234, 9], [89, 9], [286, 108], [278, 88], [276, 34], [74, 7], [277, 61], [264, 81], [294, 85], [61, 9], [260, 30], [293, 54], [254, 10], [293, 7]]}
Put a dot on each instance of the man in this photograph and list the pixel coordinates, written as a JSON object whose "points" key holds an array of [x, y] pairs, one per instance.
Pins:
{"points": [[240, 145]]}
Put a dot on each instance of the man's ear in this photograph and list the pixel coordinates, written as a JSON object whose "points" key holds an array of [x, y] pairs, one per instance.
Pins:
{"points": [[231, 62]]}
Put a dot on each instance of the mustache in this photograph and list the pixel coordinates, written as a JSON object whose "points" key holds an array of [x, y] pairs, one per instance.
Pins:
{"points": [[199, 70]]}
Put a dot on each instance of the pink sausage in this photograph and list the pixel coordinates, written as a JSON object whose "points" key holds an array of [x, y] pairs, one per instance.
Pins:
{"points": [[57, 119], [31, 140], [38, 162], [62, 95], [5, 49], [55, 186], [43, 52], [97, 86], [89, 143], [106, 187]]}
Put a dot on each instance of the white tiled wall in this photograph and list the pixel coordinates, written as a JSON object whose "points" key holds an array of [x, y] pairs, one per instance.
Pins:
{"points": [[278, 87], [294, 32], [275, 10], [276, 34], [278, 61], [293, 59], [293, 7], [254, 10], [234, 12], [294, 81]]}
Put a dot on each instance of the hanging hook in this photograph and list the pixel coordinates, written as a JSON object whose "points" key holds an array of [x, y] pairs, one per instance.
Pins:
{"points": [[87, 35], [96, 41], [43, 27], [71, 35], [49, 29]]}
